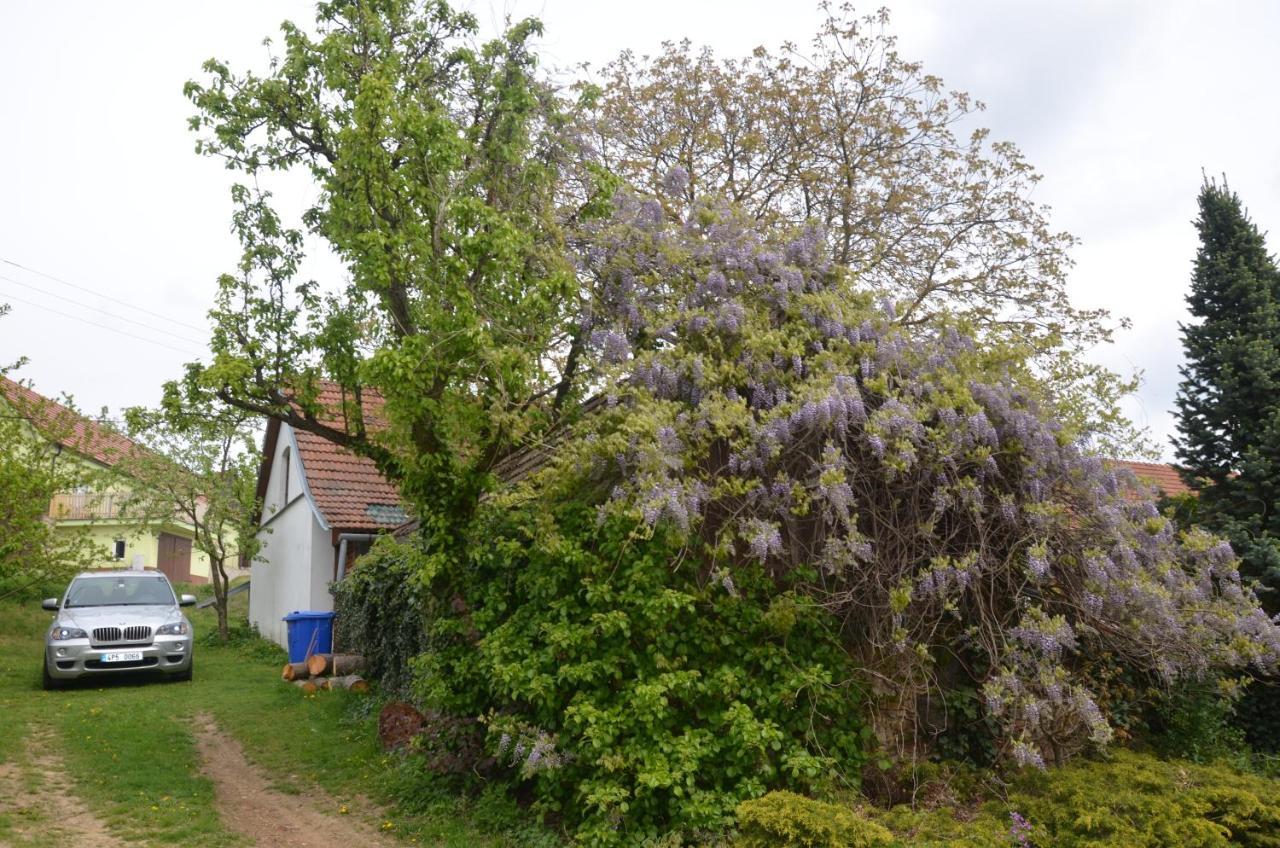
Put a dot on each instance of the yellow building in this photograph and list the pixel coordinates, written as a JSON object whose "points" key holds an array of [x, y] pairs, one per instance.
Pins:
{"points": [[97, 509]]}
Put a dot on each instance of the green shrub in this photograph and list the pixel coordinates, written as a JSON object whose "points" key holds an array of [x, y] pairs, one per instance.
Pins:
{"points": [[380, 612], [1195, 721], [633, 692], [786, 820], [1131, 800], [1140, 801], [1257, 715]]}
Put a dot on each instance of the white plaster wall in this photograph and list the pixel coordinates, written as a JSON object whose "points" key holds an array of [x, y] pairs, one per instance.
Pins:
{"points": [[322, 563], [272, 499], [296, 561], [282, 577]]}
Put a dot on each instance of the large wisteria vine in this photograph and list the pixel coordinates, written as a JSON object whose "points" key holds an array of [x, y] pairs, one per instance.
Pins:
{"points": [[909, 479]]}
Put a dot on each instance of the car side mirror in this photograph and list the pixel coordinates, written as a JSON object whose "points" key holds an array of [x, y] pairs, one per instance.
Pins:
{"points": [[186, 600], [50, 604]]}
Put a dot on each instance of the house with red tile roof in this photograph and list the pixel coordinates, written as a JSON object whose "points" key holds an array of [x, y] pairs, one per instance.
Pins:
{"points": [[98, 510], [322, 506], [1164, 478]]}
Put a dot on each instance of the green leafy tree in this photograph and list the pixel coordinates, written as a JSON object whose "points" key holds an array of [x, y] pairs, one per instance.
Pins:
{"points": [[1229, 399], [35, 554], [199, 469], [437, 158]]}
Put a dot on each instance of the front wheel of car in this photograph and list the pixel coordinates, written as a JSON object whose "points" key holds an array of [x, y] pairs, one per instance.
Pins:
{"points": [[48, 680], [185, 676]]}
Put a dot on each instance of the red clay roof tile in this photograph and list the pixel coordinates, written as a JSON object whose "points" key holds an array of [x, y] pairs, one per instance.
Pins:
{"points": [[348, 489], [65, 426], [1164, 477]]}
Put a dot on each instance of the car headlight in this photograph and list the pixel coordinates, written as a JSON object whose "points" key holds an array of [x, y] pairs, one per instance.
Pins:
{"points": [[59, 634], [178, 628]]}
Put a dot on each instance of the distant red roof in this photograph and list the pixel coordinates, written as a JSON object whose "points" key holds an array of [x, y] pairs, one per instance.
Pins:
{"points": [[1164, 477], [65, 426]]}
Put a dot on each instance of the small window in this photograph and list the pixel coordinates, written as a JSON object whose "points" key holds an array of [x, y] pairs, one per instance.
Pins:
{"points": [[284, 457], [117, 549]]}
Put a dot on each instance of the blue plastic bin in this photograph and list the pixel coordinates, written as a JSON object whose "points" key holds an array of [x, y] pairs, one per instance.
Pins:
{"points": [[309, 633]]}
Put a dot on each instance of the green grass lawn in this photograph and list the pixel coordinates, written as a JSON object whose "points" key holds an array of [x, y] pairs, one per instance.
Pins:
{"points": [[129, 749]]}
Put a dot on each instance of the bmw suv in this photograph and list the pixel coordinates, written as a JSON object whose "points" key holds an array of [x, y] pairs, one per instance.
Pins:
{"points": [[117, 621]]}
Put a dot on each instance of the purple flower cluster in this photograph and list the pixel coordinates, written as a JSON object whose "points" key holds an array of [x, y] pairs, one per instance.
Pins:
{"points": [[764, 539], [531, 751], [1037, 563], [1019, 830], [721, 577], [1049, 636], [1025, 754]]}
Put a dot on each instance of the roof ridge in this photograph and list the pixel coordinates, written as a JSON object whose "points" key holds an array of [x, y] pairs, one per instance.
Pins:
{"points": [[93, 439]]}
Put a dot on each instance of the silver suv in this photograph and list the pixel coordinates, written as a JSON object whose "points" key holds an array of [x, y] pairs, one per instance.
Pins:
{"points": [[115, 621]]}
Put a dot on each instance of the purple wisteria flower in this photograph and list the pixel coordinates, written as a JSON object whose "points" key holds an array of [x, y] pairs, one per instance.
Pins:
{"points": [[798, 424], [1019, 830], [675, 181]]}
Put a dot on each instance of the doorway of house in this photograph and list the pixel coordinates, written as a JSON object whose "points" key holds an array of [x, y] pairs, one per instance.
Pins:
{"points": [[174, 558]]}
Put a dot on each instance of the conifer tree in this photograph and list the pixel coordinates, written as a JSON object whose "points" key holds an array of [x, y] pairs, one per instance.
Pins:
{"points": [[1228, 402]]}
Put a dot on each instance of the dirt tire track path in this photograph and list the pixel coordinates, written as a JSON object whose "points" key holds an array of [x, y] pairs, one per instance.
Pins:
{"points": [[61, 815], [248, 805]]}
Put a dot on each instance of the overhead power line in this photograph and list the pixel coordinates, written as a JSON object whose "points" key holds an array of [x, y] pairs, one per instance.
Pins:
{"points": [[100, 294], [84, 305], [96, 324]]}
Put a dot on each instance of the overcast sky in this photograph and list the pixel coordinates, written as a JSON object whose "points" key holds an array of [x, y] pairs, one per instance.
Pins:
{"points": [[114, 220]]}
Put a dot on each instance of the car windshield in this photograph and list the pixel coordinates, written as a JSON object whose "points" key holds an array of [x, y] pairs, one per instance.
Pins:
{"points": [[119, 591]]}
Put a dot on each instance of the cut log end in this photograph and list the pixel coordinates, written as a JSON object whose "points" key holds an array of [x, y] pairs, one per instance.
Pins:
{"points": [[317, 664], [295, 671], [308, 687], [350, 682]]}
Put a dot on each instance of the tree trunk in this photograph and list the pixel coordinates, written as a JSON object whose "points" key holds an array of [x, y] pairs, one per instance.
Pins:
{"points": [[219, 577], [894, 710], [308, 687], [321, 664], [295, 671]]}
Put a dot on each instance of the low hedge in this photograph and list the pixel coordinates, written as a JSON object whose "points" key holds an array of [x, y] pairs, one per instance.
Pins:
{"points": [[1129, 800]]}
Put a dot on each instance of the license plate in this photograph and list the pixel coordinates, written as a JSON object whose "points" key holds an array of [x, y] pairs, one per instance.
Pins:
{"points": [[122, 656]]}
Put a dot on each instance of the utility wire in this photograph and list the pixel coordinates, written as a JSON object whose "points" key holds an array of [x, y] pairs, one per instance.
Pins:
{"points": [[84, 305], [99, 294], [96, 324]]}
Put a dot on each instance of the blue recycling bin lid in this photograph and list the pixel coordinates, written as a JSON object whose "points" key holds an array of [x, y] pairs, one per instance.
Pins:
{"points": [[306, 615]]}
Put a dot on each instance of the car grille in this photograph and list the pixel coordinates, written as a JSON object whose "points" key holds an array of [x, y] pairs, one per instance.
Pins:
{"points": [[136, 633]]}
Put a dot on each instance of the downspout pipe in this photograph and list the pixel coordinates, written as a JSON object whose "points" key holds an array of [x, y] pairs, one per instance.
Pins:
{"points": [[343, 538]]}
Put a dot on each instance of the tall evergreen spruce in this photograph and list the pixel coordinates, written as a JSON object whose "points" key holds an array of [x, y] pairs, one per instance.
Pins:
{"points": [[1229, 398]]}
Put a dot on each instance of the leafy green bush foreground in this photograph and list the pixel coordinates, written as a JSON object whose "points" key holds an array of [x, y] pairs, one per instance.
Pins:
{"points": [[629, 698]]}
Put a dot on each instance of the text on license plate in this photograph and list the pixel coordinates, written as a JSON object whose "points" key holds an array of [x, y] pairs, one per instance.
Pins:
{"points": [[122, 656]]}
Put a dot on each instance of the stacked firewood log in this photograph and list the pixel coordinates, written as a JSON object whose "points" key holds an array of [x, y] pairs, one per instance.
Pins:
{"points": [[327, 671]]}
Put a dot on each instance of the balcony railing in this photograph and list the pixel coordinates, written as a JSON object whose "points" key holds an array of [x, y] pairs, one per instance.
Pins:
{"points": [[86, 506]]}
